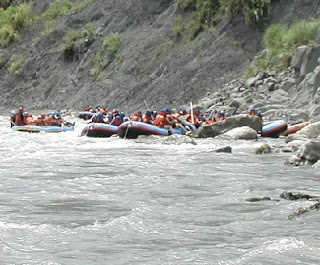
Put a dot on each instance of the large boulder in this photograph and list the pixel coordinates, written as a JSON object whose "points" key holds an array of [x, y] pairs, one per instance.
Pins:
{"points": [[230, 123], [242, 133], [311, 131], [309, 151]]}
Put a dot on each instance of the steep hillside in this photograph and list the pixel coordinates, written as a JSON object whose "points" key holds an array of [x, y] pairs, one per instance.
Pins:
{"points": [[149, 65]]}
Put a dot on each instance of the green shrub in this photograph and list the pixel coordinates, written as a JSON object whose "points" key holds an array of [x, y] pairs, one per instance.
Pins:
{"points": [[15, 64], [179, 27], [88, 32], [110, 46], [205, 13], [13, 21], [254, 11], [280, 42], [69, 47]]}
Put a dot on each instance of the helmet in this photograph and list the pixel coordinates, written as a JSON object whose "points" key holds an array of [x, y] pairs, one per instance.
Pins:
{"points": [[13, 113], [168, 111], [148, 113], [25, 114], [139, 112], [183, 111]]}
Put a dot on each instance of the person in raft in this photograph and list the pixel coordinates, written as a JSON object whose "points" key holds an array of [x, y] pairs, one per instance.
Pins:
{"points": [[181, 117], [147, 117], [13, 118], [116, 120], [165, 119], [19, 119], [137, 116]]}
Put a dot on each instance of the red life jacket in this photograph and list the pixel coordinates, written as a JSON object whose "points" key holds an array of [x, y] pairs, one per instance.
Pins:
{"points": [[146, 119], [160, 119], [136, 117]]}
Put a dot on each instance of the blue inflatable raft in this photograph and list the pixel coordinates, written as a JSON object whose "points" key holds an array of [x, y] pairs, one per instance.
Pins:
{"points": [[35, 128], [132, 129], [99, 130], [86, 115], [274, 129]]}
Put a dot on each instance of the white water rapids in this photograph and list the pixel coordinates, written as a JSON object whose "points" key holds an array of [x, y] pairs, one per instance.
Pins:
{"points": [[76, 200]]}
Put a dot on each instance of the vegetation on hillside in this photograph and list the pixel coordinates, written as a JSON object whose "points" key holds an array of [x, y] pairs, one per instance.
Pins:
{"points": [[13, 20], [206, 13], [109, 47], [74, 38], [280, 42]]}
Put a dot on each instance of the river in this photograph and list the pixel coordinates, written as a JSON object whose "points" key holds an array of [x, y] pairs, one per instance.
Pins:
{"points": [[75, 200]]}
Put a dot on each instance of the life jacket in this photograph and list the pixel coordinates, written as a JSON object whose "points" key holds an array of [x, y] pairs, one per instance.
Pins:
{"points": [[30, 120], [19, 119], [146, 119], [116, 121], [170, 120], [195, 118], [136, 117], [160, 119]]}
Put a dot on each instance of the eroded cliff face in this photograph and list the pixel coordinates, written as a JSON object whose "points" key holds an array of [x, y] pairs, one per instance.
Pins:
{"points": [[155, 67]]}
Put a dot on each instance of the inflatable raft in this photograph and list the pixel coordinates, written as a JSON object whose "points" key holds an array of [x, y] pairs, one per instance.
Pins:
{"points": [[86, 115], [99, 130], [294, 128], [132, 129], [274, 129], [35, 128]]}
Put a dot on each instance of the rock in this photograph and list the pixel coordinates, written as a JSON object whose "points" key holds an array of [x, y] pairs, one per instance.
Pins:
{"points": [[297, 59], [271, 80], [296, 137], [263, 149], [309, 151], [226, 149], [289, 195], [311, 131], [242, 133], [288, 84], [236, 103], [310, 59], [303, 210], [229, 124], [258, 199]]}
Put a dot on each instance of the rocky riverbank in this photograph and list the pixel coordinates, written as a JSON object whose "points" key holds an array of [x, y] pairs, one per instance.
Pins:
{"points": [[292, 95]]}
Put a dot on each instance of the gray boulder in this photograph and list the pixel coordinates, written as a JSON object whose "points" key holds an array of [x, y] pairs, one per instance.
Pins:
{"points": [[230, 123], [311, 131], [309, 151], [243, 133], [263, 149]]}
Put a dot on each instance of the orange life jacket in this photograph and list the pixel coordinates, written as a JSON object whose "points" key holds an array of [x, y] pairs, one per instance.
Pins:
{"points": [[160, 119], [146, 119], [195, 118], [136, 117]]}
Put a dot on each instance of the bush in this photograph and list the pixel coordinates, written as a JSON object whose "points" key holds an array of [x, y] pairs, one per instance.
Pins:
{"points": [[254, 11], [69, 47], [205, 13], [280, 42], [110, 46], [14, 20]]}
